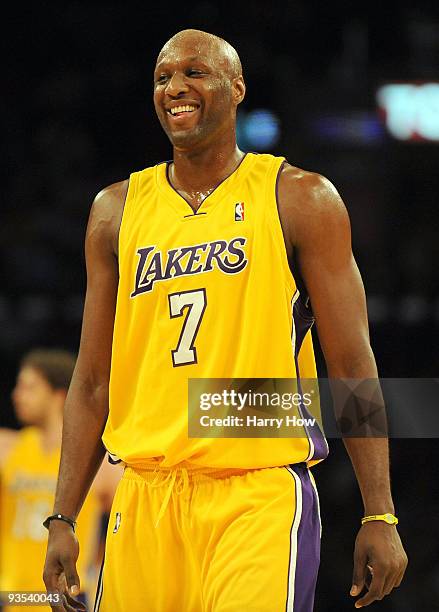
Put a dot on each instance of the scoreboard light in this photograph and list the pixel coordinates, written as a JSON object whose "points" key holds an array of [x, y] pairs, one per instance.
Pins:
{"points": [[410, 110]]}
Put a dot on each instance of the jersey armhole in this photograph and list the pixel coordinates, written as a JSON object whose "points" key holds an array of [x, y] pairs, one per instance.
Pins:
{"points": [[272, 183]]}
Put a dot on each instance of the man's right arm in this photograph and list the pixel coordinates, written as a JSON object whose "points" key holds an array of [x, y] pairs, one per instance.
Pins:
{"points": [[86, 406]]}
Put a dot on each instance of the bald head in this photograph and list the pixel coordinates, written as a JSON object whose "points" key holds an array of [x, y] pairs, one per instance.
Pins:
{"points": [[202, 74], [205, 44]]}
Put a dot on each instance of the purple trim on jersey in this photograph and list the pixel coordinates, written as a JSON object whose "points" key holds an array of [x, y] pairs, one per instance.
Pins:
{"points": [[112, 458], [303, 321], [308, 544], [114, 461]]}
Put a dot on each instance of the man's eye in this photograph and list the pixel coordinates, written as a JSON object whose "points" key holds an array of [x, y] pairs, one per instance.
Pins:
{"points": [[161, 79], [194, 73]]}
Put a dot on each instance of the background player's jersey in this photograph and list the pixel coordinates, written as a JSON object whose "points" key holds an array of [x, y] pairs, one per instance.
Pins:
{"points": [[27, 491], [203, 295]]}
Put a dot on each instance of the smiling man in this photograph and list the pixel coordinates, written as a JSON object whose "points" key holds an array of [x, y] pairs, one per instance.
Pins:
{"points": [[190, 275]]}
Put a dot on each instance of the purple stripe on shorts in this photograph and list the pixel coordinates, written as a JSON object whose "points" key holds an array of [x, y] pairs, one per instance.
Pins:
{"points": [[308, 544]]}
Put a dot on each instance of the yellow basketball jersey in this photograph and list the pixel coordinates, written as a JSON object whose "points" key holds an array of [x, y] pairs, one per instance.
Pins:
{"points": [[27, 491], [203, 295]]}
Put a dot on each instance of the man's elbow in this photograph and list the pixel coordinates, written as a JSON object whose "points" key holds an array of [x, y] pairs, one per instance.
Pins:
{"points": [[90, 392]]}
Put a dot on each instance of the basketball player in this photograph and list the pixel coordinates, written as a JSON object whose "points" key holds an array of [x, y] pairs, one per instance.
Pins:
{"points": [[29, 461], [189, 276]]}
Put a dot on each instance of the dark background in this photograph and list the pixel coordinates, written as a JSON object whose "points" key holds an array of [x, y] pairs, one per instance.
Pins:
{"points": [[76, 115]]}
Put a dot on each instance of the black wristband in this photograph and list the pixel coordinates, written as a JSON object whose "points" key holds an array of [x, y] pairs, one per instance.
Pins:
{"points": [[59, 517]]}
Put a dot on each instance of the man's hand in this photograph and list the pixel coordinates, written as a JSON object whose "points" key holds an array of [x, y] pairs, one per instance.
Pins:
{"points": [[378, 549], [60, 568]]}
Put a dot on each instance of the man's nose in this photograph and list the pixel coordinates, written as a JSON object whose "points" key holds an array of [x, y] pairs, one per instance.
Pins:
{"points": [[176, 85]]}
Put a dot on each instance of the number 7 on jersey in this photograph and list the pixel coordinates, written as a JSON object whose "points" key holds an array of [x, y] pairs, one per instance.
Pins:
{"points": [[195, 302]]}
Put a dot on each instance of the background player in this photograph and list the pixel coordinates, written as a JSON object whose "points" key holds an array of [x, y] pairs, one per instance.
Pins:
{"points": [[29, 461]]}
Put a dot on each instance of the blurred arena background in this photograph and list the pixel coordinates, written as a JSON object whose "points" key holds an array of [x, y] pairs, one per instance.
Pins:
{"points": [[349, 91]]}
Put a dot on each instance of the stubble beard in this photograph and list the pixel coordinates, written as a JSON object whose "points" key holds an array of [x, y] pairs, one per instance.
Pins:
{"points": [[186, 139]]}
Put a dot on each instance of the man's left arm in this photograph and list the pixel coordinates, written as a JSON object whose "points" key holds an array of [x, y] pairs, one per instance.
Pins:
{"points": [[316, 227]]}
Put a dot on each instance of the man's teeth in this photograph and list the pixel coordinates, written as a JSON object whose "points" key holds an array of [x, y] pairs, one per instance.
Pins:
{"points": [[182, 109]]}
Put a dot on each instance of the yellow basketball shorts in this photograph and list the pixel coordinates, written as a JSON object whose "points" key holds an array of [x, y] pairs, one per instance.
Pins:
{"points": [[212, 541]]}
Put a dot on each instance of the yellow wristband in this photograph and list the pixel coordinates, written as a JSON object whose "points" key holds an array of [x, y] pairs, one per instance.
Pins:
{"points": [[388, 518]]}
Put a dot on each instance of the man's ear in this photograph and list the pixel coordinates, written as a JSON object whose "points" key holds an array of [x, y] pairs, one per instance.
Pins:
{"points": [[238, 90]]}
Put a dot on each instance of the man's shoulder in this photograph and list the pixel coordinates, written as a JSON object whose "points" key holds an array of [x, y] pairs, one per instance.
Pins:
{"points": [[106, 214], [112, 195], [304, 184], [307, 194], [306, 200]]}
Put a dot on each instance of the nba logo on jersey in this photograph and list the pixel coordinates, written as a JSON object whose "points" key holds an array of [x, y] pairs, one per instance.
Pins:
{"points": [[117, 523], [239, 211]]}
